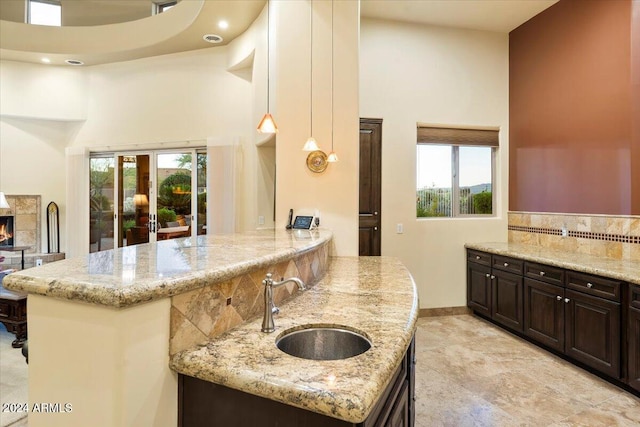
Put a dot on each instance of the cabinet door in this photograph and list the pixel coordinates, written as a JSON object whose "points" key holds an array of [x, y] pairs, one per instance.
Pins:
{"points": [[399, 416], [634, 348], [544, 313], [507, 299], [479, 288], [592, 328]]}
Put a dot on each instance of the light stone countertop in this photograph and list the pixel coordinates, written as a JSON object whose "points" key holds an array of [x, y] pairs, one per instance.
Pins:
{"points": [[124, 277], [374, 295], [625, 270]]}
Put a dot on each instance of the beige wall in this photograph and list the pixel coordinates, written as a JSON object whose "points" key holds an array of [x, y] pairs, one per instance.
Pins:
{"points": [[334, 193], [409, 74]]}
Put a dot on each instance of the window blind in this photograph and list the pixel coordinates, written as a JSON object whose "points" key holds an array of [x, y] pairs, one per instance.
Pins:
{"points": [[453, 136]]}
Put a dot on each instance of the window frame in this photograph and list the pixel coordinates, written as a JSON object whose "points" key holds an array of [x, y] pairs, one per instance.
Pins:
{"points": [[455, 138]]}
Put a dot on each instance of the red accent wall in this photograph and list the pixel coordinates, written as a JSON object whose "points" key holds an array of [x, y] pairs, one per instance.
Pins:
{"points": [[573, 139]]}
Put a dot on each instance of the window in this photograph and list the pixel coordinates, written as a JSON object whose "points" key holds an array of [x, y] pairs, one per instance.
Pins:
{"points": [[164, 6], [45, 12], [455, 172]]}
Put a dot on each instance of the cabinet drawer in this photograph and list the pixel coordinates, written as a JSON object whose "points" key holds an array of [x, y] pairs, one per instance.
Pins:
{"points": [[594, 285], [479, 257], [545, 273], [508, 264], [634, 296]]}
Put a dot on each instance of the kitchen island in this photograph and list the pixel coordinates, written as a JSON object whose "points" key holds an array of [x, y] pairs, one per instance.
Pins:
{"points": [[102, 328]]}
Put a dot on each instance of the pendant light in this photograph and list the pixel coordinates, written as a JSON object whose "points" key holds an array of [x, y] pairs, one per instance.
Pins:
{"points": [[267, 124], [311, 144], [333, 157]]}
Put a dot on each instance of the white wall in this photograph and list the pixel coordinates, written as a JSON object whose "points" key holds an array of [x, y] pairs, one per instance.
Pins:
{"points": [[413, 73], [41, 109]]}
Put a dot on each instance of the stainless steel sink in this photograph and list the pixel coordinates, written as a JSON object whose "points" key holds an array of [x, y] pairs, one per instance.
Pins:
{"points": [[323, 343]]}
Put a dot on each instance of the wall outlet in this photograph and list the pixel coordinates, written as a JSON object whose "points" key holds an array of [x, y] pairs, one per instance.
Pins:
{"points": [[261, 220], [565, 233], [38, 262], [399, 228]]}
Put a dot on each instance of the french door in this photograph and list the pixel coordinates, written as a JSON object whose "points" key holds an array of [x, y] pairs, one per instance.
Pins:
{"points": [[140, 197]]}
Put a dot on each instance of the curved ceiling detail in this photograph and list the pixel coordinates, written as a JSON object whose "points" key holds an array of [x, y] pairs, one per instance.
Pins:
{"points": [[179, 29]]}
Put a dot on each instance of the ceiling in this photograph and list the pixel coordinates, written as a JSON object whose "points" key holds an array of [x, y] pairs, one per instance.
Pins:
{"points": [[182, 27], [488, 15]]}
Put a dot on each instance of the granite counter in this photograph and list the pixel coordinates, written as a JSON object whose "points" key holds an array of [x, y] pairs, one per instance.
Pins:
{"points": [[376, 296]]}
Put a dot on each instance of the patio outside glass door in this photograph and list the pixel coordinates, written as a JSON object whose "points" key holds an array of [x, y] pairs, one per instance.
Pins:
{"points": [[143, 197], [174, 195]]}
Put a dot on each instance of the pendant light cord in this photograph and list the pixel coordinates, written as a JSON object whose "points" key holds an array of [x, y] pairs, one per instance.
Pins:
{"points": [[311, 69], [268, 53], [332, 72]]}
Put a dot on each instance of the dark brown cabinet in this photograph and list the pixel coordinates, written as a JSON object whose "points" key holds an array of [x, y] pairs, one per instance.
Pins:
{"points": [[544, 313], [573, 313], [202, 403], [494, 288], [580, 325], [633, 337]]}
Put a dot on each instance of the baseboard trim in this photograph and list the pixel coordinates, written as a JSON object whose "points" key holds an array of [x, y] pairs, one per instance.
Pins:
{"points": [[443, 311]]}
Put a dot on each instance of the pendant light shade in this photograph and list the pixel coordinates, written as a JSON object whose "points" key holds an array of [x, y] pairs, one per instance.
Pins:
{"points": [[332, 157], [310, 145], [267, 124], [3, 201]]}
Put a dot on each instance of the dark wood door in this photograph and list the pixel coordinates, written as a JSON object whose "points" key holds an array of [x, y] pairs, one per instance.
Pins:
{"points": [[370, 186], [506, 293], [544, 313], [479, 288], [592, 331]]}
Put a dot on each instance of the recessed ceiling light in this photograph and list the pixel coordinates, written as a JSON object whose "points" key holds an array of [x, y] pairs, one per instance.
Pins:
{"points": [[74, 62], [223, 24], [212, 38], [46, 60]]}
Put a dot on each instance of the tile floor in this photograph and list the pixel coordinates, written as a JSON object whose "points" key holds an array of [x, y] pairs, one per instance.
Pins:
{"points": [[472, 373]]}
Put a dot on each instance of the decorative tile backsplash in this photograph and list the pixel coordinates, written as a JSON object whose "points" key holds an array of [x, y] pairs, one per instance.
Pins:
{"points": [[602, 235], [202, 314]]}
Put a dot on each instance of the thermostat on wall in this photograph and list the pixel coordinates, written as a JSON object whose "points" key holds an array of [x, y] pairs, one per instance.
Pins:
{"points": [[303, 222]]}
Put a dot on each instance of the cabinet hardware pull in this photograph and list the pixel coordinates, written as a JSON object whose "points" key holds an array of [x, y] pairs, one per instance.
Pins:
{"points": [[567, 300], [493, 277], [506, 264], [477, 256], [487, 275], [542, 273], [375, 228], [558, 297], [589, 285]]}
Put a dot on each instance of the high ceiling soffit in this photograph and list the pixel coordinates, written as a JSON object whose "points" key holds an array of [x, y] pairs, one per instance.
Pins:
{"points": [[179, 29], [182, 27]]}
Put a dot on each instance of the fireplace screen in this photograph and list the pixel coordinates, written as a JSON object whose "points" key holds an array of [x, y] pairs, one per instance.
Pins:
{"points": [[6, 231]]}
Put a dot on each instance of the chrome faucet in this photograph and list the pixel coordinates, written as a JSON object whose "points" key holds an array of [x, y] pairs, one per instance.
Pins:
{"points": [[269, 308]]}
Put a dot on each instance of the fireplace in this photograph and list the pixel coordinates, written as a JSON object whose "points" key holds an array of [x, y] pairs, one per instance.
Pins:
{"points": [[6, 231]]}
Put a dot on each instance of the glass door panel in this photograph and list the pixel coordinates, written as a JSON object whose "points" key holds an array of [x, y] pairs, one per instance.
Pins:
{"points": [[101, 203], [133, 199], [202, 193], [174, 201]]}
